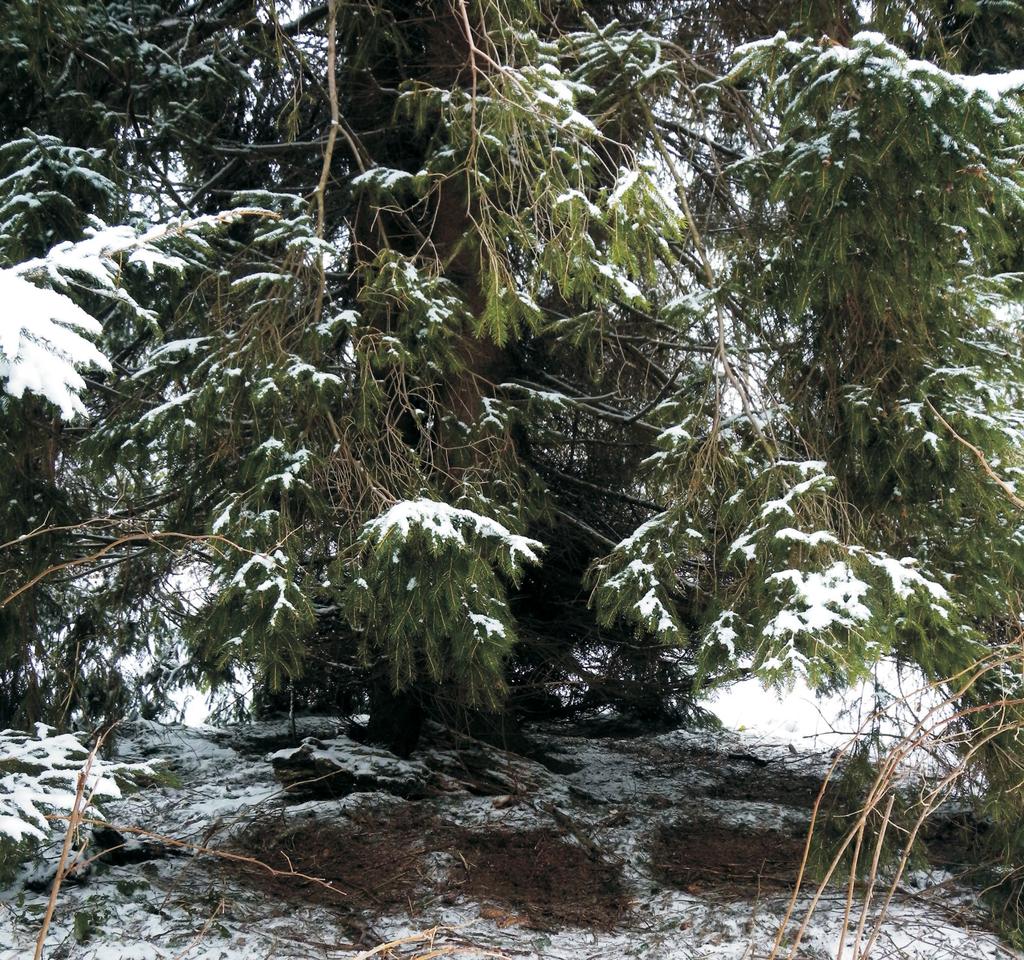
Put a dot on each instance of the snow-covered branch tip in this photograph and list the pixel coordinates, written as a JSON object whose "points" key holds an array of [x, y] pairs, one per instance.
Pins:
{"points": [[46, 338]]}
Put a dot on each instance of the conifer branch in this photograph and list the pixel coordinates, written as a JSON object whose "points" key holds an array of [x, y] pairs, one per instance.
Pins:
{"points": [[980, 457], [721, 353], [145, 537]]}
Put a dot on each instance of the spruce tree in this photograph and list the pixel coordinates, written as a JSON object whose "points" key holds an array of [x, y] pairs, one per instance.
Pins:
{"points": [[579, 355]]}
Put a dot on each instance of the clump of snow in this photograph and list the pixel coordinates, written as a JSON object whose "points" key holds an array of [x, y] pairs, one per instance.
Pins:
{"points": [[39, 776], [44, 343], [820, 601], [385, 178], [448, 523], [906, 580], [878, 54]]}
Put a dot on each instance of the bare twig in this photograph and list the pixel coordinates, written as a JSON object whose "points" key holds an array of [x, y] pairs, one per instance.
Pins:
{"points": [[75, 820], [332, 92], [141, 536], [980, 456], [936, 733], [201, 849]]}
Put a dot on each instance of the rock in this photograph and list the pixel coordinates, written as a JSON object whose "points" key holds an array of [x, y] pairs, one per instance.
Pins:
{"points": [[340, 766], [113, 847]]}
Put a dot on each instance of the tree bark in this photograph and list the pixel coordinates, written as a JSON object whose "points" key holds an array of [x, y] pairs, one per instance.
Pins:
{"points": [[396, 719]]}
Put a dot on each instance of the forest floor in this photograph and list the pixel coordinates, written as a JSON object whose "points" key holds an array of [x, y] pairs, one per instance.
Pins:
{"points": [[603, 845]]}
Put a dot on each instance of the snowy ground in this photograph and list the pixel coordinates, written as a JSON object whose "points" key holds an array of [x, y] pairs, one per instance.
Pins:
{"points": [[616, 798]]}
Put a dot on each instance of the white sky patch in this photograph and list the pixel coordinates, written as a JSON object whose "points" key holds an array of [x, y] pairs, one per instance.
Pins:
{"points": [[802, 717]]}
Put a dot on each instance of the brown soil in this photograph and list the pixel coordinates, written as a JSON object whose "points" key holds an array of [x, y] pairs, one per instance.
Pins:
{"points": [[692, 854], [548, 881], [370, 861], [374, 861]]}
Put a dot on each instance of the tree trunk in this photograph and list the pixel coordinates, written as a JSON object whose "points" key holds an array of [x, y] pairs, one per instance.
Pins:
{"points": [[396, 719]]}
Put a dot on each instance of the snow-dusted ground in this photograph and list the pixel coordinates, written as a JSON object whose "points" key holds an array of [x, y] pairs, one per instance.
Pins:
{"points": [[622, 790]]}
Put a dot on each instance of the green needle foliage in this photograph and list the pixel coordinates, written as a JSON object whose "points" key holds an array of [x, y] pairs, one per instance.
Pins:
{"points": [[592, 354]]}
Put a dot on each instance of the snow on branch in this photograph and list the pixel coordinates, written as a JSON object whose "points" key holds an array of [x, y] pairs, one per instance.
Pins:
{"points": [[446, 523], [43, 343], [881, 58], [46, 338]]}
